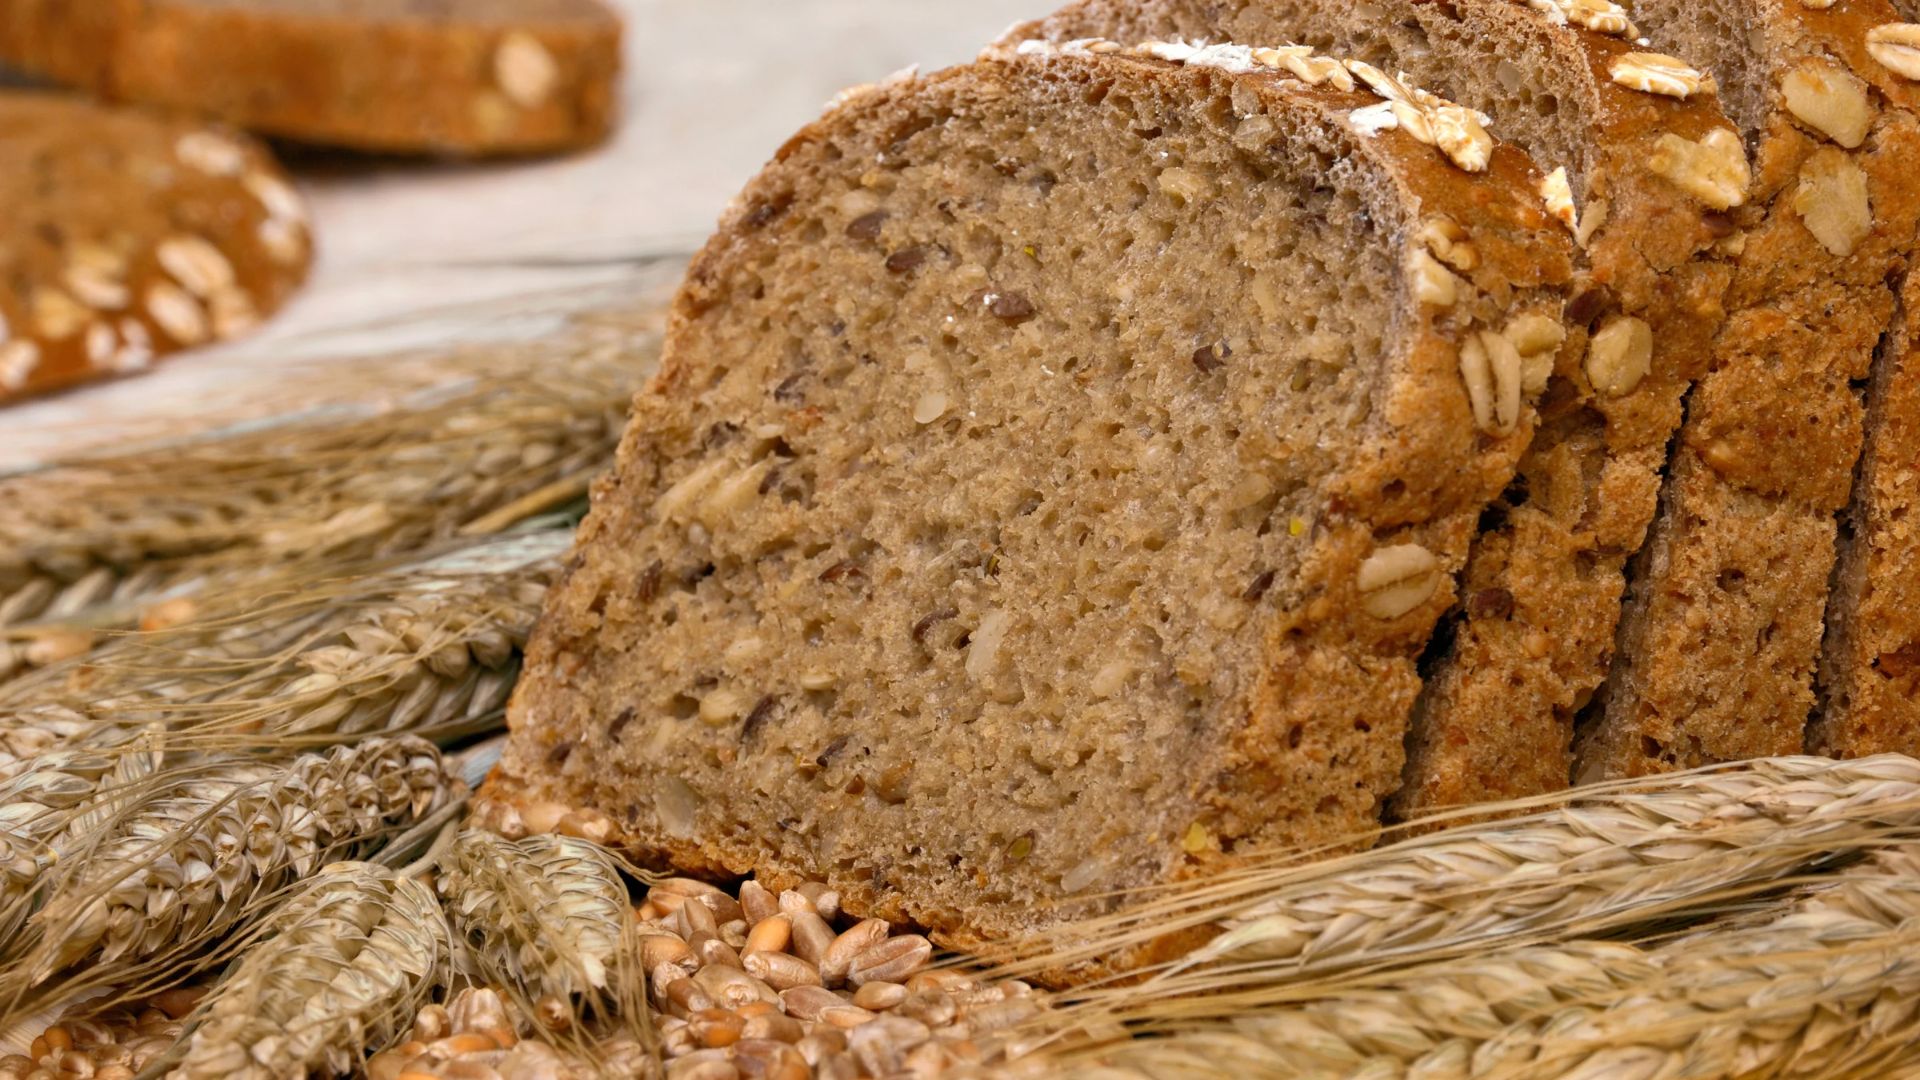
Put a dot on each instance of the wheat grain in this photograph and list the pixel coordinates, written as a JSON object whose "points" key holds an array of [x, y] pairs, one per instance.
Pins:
{"points": [[341, 968], [547, 915], [175, 871], [427, 647], [1615, 856], [518, 438], [1824, 987]]}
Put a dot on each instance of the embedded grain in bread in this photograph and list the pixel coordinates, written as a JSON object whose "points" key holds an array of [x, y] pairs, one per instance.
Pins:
{"points": [[1532, 638], [1725, 618], [1055, 470], [442, 76], [128, 235]]}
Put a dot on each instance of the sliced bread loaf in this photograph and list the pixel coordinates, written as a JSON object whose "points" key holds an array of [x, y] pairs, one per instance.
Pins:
{"points": [[127, 235], [444, 76], [1723, 629], [1055, 470], [1533, 637]]}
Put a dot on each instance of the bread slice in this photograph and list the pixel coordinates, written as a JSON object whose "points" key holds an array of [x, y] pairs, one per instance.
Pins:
{"points": [[441, 76], [1056, 467], [1724, 625], [128, 235], [1533, 637], [1870, 669]]}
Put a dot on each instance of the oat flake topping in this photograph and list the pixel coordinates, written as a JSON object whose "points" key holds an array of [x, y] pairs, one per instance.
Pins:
{"points": [[1656, 73], [1897, 47], [1600, 16]]}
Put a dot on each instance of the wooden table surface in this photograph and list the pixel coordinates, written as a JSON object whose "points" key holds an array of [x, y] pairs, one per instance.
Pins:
{"points": [[419, 254]]}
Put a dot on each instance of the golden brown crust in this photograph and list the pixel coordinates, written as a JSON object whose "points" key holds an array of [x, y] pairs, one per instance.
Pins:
{"points": [[1722, 634], [130, 235], [1419, 479], [471, 77]]}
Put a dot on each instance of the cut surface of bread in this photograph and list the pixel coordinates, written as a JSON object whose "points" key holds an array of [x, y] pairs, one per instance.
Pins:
{"points": [[1723, 628], [441, 76], [1056, 467], [129, 235], [1532, 638]]}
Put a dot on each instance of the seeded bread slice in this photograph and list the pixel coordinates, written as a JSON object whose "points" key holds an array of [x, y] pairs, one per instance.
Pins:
{"points": [[1723, 628], [441, 76], [128, 235], [1870, 672], [1056, 467], [1535, 632]]}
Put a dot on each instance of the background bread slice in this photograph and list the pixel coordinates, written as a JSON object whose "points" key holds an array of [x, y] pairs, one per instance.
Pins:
{"points": [[1055, 469], [1535, 632], [128, 235], [444, 76], [1724, 626]]}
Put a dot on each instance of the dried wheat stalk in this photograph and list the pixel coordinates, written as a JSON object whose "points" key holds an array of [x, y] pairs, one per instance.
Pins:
{"points": [[201, 852], [547, 914], [340, 970], [522, 436], [1617, 855], [1826, 987], [428, 647]]}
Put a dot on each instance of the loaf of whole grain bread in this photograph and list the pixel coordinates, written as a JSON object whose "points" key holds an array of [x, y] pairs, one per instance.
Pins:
{"points": [[1057, 466], [441, 76], [1531, 640]]}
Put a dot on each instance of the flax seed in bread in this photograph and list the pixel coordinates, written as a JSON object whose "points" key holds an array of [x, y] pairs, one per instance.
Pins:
{"points": [[128, 235], [440, 76], [1055, 470], [1725, 618], [1535, 631]]}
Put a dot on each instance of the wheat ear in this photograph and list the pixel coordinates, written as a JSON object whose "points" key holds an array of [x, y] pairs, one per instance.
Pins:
{"points": [[546, 913], [429, 647], [1826, 987], [176, 871], [1614, 856], [341, 968], [522, 435]]}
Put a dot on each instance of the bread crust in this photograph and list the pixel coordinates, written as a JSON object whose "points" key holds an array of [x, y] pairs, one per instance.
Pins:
{"points": [[1723, 628], [1534, 634], [131, 235], [474, 77], [1336, 682]]}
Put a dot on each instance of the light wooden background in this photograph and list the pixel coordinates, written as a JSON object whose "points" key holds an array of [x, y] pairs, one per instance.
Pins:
{"points": [[418, 254]]}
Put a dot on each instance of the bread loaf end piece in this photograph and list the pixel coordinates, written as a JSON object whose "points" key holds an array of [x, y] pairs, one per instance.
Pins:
{"points": [[409, 76], [1724, 624], [1533, 637], [1056, 467], [130, 235]]}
